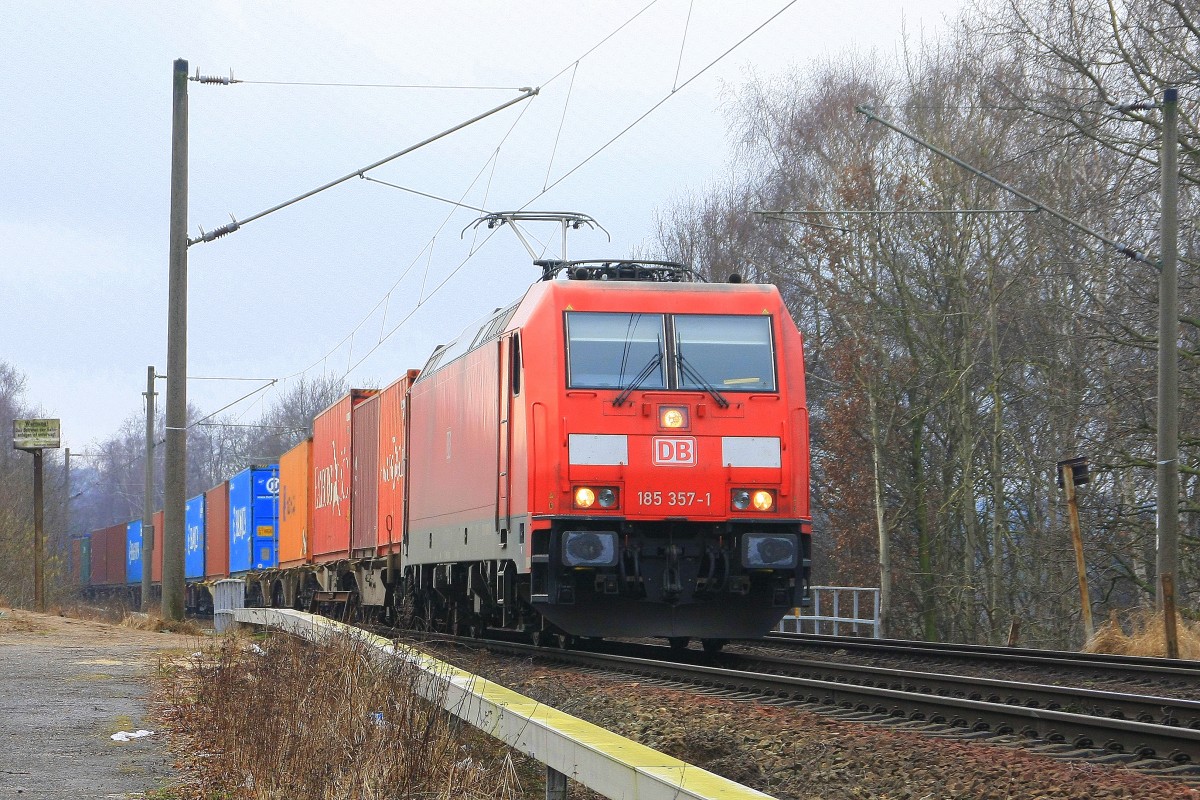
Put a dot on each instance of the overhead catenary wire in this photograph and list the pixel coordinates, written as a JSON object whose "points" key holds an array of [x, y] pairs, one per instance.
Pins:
{"points": [[427, 250], [236, 224], [547, 188], [561, 121], [429, 246], [249, 425], [425, 194], [659, 104], [265, 386], [683, 44], [450, 87], [1123, 249]]}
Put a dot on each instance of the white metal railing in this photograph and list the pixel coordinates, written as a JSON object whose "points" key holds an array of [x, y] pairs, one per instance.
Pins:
{"points": [[811, 620]]}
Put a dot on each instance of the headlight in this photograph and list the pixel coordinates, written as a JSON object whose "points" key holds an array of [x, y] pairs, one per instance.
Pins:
{"points": [[589, 496], [584, 497], [752, 499], [762, 500], [672, 417], [589, 548], [769, 550]]}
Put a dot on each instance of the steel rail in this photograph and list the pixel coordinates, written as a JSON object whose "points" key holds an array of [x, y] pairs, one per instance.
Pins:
{"points": [[1143, 666], [1093, 702], [1080, 730]]}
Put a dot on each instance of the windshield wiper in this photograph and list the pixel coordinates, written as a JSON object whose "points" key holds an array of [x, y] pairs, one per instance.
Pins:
{"points": [[695, 377], [639, 379]]}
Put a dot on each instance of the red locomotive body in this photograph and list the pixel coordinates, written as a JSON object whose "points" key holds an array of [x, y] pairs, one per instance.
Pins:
{"points": [[611, 458]]}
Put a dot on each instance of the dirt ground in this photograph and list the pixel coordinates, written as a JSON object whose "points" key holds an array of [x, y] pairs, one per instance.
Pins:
{"points": [[67, 685]]}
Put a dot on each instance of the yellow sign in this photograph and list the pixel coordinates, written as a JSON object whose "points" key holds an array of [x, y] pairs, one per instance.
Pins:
{"points": [[36, 434]]}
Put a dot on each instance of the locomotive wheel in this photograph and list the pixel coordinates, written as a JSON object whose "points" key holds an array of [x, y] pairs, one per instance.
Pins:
{"points": [[565, 641]]}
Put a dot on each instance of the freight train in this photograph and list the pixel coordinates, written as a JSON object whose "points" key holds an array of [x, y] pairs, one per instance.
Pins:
{"points": [[623, 452]]}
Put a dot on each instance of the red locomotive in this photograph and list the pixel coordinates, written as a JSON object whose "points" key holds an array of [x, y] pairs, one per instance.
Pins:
{"points": [[622, 453]]}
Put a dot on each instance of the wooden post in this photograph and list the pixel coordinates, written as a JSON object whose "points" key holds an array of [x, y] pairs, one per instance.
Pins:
{"points": [[1068, 481], [1167, 592], [39, 548], [1014, 630]]}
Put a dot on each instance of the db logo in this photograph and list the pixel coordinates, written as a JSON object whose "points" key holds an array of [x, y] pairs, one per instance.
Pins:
{"points": [[679, 452]]}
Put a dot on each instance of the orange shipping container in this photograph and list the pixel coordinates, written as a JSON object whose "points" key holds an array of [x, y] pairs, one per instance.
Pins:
{"points": [[295, 505], [393, 402], [216, 532]]}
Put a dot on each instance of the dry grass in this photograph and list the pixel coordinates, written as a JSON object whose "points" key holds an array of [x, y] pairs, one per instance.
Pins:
{"points": [[279, 718], [109, 613], [1146, 636], [17, 621], [153, 621]]}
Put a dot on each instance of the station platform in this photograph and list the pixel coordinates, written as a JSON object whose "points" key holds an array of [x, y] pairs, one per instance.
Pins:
{"points": [[66, 687]]}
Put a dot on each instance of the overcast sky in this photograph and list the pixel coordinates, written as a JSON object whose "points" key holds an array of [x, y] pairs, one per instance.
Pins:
{"points": [[363, 278]]}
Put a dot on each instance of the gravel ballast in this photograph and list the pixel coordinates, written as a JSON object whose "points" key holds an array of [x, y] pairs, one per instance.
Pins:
{"points": [[792, 753]]}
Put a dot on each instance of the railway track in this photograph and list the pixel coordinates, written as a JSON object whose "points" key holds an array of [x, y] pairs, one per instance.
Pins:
{"points": [[1176, 677], [1156, 735]]}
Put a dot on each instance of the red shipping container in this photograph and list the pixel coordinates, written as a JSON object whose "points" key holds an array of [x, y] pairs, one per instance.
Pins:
{"points": [[393, 403], [295, 505], [332, 434], [364, 485], [108, 556], [216, 532], [118, 546], [99, 559], [156, 567], [76, 562]]}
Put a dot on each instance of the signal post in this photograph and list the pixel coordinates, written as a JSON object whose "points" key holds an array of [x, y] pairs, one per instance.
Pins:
{"points": [[33, 436]]}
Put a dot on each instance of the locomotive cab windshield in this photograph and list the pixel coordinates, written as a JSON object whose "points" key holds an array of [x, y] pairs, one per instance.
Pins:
{"points": [[713, 353]]}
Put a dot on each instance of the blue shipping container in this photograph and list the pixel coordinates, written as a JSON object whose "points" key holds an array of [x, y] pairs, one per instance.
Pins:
{"points": [[193, 525], [254, 519], [133, 552]]}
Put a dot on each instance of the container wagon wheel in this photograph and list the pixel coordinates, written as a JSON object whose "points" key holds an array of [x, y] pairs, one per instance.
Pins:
{"points": [[713, 645], [678, 642]]}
